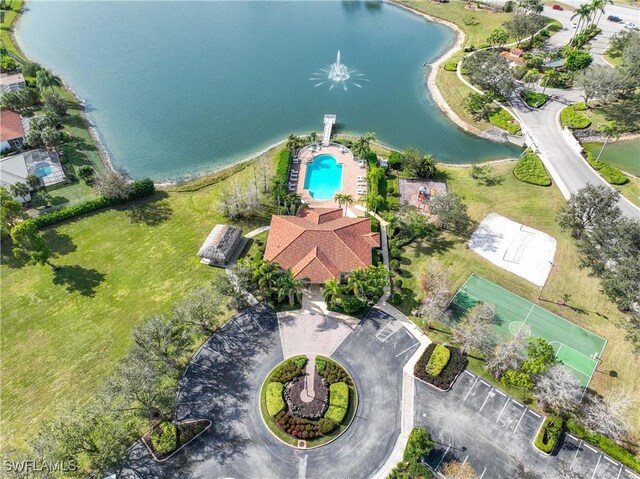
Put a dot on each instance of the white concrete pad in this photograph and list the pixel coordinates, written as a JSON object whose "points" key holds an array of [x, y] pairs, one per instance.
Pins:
{"points": [[307, 333], [515, 247]]}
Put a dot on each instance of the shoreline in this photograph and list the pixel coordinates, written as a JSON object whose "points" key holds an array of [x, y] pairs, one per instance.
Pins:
{"points": [[432, 86], [107, 161]]}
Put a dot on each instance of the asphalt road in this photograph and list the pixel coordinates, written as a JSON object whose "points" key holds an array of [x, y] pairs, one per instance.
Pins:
{"points": [[223, 382]]}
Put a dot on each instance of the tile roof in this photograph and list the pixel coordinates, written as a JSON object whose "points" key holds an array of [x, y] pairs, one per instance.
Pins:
{"points": [[320, 243], [10, 125], [11, 78]]}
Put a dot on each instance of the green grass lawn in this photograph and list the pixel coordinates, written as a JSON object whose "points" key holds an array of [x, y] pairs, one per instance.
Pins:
{"points": [[7, 21], [63, 333], [587, 306], [625, 113], [476, 24]]}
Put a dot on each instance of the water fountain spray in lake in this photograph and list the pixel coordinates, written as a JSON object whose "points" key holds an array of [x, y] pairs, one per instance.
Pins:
{"points": [[338, 73]]}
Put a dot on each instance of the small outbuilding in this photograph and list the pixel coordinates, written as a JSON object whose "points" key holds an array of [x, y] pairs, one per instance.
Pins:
{"points": [[221, 245]]}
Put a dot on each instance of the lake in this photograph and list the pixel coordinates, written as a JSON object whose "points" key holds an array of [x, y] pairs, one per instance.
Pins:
{"points": [[180, 88]]}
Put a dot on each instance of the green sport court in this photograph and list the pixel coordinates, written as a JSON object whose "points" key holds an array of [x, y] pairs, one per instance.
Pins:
{"points": [[575, 346]]}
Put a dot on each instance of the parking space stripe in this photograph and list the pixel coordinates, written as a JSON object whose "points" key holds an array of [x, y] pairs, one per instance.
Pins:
{"points": [[519, 421], [619, 472], [470, 374], [441, 459], [535, 414], [575, 455], [610, 460], [485, 400], [513, 400], [469, 391], [597, 464], [503, 408], [499, 392], [465, 460], [409, 348], [588, 446], [482, 475]]}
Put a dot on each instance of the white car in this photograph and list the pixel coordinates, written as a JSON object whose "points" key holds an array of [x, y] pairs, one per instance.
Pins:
{"points": [[574, 25], [630, 26]]}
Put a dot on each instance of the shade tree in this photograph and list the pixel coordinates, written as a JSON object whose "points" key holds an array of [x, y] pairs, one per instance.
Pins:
{"points": [[29, 244], [114, 184], [10, 213], [558, 389], [450, 212], [610, 416], [474, 331]]}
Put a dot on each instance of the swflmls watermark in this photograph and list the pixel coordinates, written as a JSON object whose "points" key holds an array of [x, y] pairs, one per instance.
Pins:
{"points": [[30, 465]]}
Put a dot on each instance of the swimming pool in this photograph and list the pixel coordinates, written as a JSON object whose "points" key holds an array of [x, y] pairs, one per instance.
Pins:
{"points": [[323, 177], [42, 169]]}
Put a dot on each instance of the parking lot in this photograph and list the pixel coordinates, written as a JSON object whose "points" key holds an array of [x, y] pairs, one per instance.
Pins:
{"points": [[476, 423]]}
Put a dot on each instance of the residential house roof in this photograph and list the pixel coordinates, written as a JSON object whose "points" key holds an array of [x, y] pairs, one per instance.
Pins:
{"points": [[11, 78], [10, 125], [320, 243]]}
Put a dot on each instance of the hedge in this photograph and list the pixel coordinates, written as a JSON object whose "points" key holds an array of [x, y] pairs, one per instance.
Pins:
{"points": [[139, 189], [503, 119], [438, 360], [605, 444], [451, 67], [275, 402], [286, 372], [338, 402], [572, 119], [549, 434], [610, 173], [164, 438], [457, 363], [530, 169], [282, 165], [534, 99]]}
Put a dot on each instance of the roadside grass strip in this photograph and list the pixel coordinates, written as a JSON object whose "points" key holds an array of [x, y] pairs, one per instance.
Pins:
{"points": [[575, 346]]}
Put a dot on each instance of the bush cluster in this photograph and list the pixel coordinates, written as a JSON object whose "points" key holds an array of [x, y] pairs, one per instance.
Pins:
{"points": [[610, 173], [338, 402], [139, 189], [438, 360], [503, 119], [286, 372], [534, 99], [572, 119], [164, 438], [282, 165], [531, 170], [331, 371], [451, 66], [457, 363], [549, 434], [304, 428], [299, 361], [275, 402]]}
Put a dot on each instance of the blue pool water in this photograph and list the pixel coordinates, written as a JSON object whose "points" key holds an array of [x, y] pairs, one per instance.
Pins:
{"points": [[323, 177], [42, 169]]}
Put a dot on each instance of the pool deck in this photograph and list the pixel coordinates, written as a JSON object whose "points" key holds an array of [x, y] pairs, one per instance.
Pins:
{"points": [[350, 173]]}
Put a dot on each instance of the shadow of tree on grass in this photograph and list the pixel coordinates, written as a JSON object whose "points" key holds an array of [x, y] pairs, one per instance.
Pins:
{"points": [[152, 212], [79, 279], [59, 244]]}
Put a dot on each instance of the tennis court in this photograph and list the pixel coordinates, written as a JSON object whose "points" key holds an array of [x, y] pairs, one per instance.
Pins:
{"points": [[575, 346]]}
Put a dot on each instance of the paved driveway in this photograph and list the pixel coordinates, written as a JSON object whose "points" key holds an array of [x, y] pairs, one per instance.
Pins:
{"points": [[222, 384], [478, 424]]}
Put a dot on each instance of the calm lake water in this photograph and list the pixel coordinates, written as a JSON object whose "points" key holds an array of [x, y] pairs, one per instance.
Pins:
{"points": [[179, 88]]}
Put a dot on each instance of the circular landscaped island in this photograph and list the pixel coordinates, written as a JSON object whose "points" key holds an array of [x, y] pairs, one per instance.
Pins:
{"points": [[308, 401]]}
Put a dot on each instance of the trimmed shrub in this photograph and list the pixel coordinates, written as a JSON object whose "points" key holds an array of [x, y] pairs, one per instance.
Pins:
{"points": [[531, 170], [451, 66], [299, 361], [164, 438], [282, 165], [338, 402], [438, 360], [503, 119], [549, 434], [457, 363], [275, 402], [286, 372], [394, 264], [139, 189], [607, 446], [535, 99], [419, 445], [331, 371], [610, 173], [572, 119], [580, 106]]}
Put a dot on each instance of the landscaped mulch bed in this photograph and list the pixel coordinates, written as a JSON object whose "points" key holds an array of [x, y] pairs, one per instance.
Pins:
{"points": [[445, 379], [314, 409]]}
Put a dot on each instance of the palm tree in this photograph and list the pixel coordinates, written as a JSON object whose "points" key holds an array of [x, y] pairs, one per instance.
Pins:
{"points": [[266, 276], [343, 200], [374, 176], [293, 143], [312, 137], [372, 201], [612, 131], [44, 79], [583, 14], [20, 189], [290, 288], [549, 74], [332, 292], [598, 6], [292, 203], [33, 181], [357, 283]]}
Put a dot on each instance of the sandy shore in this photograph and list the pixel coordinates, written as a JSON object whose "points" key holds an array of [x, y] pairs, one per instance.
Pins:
{"points": [[435, 66]]}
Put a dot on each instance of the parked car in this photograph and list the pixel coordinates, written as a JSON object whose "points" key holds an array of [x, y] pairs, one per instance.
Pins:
{"points": [[557, 7], [574, 25], [630, 26], [613, 18]]}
